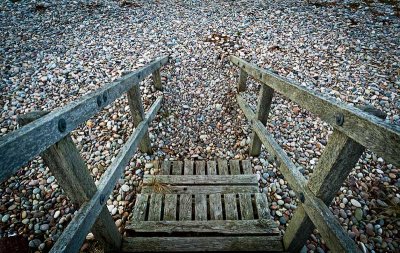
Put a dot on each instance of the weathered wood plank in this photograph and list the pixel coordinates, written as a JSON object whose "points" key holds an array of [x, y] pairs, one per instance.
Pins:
{"points": [[263, 108], [187, 244], [235, 167], [247, 167], [200, 207], [246, 208], [231, 206], [248, 112], [203, 179], [205, 189], [328, 226], [71, 172], [22, 145], [370, 131], [140, 208], [200, 168], [221, 227], [157, 79], [75, 233], [137, 111], [241, 85], [170, 207], [223, 167], [188, 167], [166, 167], [338, 159], [215, 206], [262, 206], [155, 207], [177, 167], [185, 207], [211, 168]]}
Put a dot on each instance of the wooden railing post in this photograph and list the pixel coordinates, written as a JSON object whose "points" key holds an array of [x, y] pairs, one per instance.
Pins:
{"points": [[241, 85], [338, 159], [137, 111], [71, 172], [157, 79], [264, 104]]}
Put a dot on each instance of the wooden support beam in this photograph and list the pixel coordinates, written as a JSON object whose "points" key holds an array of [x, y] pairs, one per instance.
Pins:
{"points": [[22, 145], [157, 79], [329, 227], [74, 235], [241, 85], [137, 111], [263, 108], [337, 161], [72, 174], [373, 133]]}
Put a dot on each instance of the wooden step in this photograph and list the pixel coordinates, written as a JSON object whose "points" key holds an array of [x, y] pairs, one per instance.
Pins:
{"points": [[196, 244], [210, 228]]}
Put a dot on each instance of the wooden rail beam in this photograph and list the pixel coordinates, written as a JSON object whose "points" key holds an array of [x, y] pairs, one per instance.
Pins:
{"points": [[337, 161], [157, 80], [71, 172], [241, 85], [75, 233], [263, 108], [20, 146], [368, 130]]}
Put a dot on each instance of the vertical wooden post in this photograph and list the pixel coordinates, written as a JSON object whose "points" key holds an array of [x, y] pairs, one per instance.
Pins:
{"points": [[137, 111], [157, 79], [264, 104], [71, 172], [241, 85], [338, 159]]}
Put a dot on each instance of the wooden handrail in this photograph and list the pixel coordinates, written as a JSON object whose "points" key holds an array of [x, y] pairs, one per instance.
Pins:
{"points": [[354, 131], [76, 231], [366, 129], [22, 145]]}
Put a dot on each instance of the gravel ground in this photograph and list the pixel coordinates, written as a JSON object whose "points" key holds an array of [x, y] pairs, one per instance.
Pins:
{"points": [[55, 52]]}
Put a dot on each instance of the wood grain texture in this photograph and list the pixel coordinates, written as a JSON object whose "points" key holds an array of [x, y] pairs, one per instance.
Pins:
{"points": [[338, 159], [75, 233], [246, 207], [328, 226], [241, 85], [263, 107], [215, 206], [177, 167], [70, 170], [139, 210], [247, 167], [223, 167], [186, 244], [220, 227], [166, 167], [262, 206], [137, 111], [185, 207], [211, 168], [248, 112], [188, 167], [200, 168], [368, 130], [203, 179], [231, 209], [205, 189], [234, 167], [22, 145], [170, 207], [155, 207], [156, 76], [200, 207]]}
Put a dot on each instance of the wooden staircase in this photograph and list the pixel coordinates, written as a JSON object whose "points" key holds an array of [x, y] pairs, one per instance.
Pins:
{"points": [[202, 206]]}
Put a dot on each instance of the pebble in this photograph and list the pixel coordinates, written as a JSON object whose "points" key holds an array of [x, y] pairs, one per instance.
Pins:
{"points": [[57, 214], [355, 203], [125, 188], [50, 179]]}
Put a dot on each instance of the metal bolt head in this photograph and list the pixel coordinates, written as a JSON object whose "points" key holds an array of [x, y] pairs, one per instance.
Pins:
{"points": [[102, 199], [62, 125], [339, 119]]}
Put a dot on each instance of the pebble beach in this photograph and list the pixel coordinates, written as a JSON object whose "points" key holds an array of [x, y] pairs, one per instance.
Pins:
{"points": [[52, 53]]}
